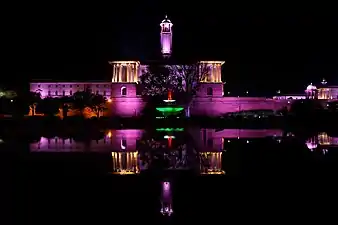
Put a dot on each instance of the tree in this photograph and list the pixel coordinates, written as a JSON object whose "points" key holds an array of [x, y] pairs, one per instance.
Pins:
{"points": [[9, 94], [183, 80], [98, 104], [81, 100], [191, 77], [31, 100], [84, 99], [157, 81], [49, 106], [66, 102], [306, 108]]}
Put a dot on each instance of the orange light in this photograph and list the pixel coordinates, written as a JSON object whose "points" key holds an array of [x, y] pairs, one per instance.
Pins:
{"points": [[169, 95]]}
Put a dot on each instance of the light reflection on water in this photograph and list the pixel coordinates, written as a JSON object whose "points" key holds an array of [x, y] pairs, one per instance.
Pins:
{"points": [[204, 150], [133, 151]]}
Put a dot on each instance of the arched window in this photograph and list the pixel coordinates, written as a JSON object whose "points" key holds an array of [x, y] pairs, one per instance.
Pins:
{"points": [[123, 91], [123, 143], [209, 91]]}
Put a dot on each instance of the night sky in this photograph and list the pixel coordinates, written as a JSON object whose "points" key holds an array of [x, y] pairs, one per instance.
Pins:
{"points": [[262, 53]]}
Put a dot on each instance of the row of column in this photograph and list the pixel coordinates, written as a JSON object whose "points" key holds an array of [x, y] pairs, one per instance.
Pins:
{"points": [[125, 160], [215, 73], [125, 73]]}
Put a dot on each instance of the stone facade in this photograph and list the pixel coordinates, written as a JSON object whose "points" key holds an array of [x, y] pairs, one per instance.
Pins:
{"points": [[125, 101], [123, 98]]}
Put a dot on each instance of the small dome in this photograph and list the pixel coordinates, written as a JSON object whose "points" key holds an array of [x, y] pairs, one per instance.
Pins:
{"points": [[310, 145], [166, 20], [311, 87]]}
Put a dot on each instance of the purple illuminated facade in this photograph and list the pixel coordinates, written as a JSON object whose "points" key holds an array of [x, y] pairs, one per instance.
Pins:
{"points": [[166, 37], [124, 101], [123, 147], [166, 199]]}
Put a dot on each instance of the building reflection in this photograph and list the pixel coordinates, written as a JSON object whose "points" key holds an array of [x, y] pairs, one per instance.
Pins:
{"points": [[125, 163], [166, 199], [211, 163], [214, 140], [128, 157], [325, 139], [110, 141], [322, 140]]}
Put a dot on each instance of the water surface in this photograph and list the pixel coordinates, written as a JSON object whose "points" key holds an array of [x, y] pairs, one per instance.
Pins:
{"points": [[112, 173]]}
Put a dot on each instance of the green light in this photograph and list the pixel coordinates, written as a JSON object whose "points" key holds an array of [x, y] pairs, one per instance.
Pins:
{"points": [[169, 129], [169, 109]]}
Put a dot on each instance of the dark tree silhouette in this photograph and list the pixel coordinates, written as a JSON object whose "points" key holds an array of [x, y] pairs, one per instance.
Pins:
{"points": [[84, 99], [183, 80], [49, 106], [157, 81]]}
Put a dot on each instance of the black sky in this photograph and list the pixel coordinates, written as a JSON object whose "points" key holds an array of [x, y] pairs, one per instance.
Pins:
{"points": [[263, 52]]}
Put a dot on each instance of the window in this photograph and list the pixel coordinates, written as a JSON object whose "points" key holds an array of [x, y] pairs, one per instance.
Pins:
{"points": [[56, 93], [39, 85], [97, 92], [71, 92], [123, 143], [124, 91], [210, 143], [64, 85], [209, 91], [56, 85], [124, 74], [104, 93], [48, 93], [97, 85], [63, 93], [49, 86], [70, 85]]}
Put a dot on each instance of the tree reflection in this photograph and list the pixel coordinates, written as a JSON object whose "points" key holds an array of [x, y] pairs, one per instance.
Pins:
{"points": [[167, 151]]}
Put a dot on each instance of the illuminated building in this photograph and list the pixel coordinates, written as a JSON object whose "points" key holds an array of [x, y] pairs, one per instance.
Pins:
{"points": [[213, 164], [111, 141], [166, 37], [124, 100], [125, 163], [166, 199]]}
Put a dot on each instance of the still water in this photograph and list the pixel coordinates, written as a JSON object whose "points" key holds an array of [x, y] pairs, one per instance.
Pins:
{"points": [[160, 175]]}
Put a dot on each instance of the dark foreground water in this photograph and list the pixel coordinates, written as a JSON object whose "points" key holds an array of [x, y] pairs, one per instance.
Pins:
{"points": [[117, 176]]}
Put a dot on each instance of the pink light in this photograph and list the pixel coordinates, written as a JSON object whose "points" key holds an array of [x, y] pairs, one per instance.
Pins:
{"points": [[166, 199], [166, 186]]}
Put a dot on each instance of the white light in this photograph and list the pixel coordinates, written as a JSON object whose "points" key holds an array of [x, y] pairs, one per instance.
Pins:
{"points": [[169, 100], [167, 137], [122, 146]]}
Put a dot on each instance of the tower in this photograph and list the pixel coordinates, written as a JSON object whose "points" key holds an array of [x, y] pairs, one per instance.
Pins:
{"points": [[166, 37]]}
